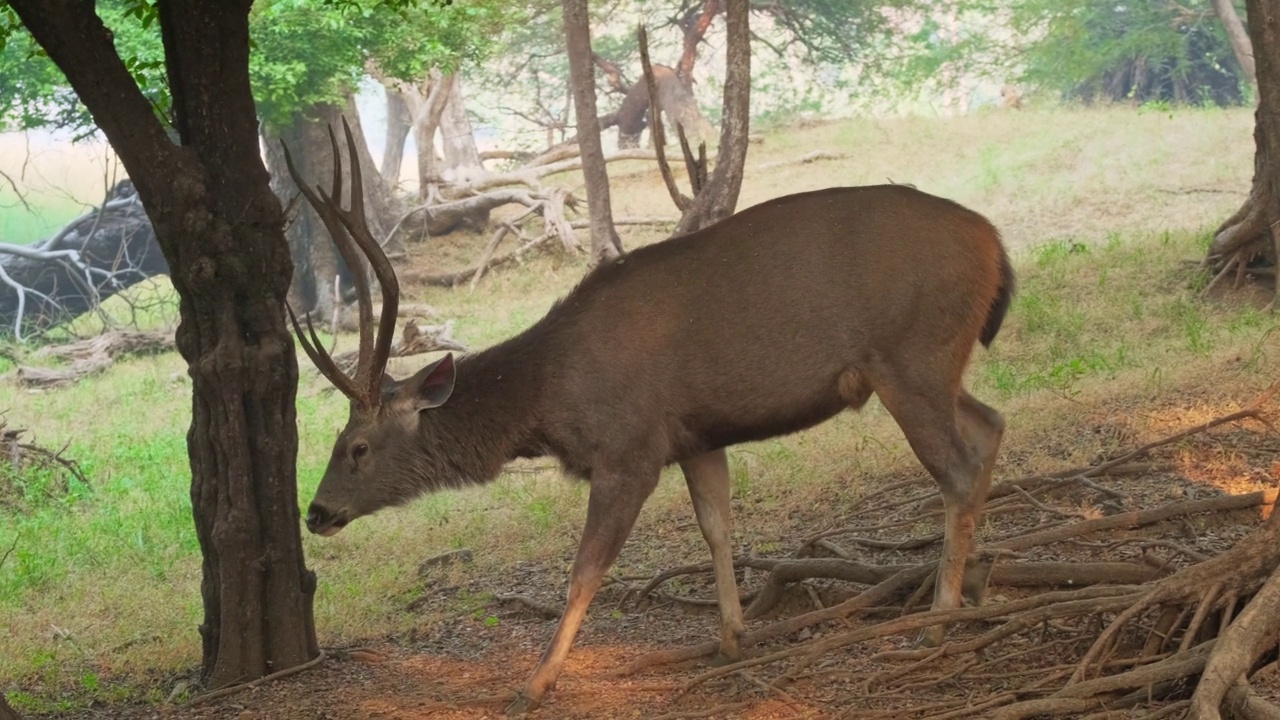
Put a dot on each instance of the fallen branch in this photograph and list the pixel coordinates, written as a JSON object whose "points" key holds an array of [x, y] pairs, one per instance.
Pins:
{"points": [[92, 356], [414, 339]]}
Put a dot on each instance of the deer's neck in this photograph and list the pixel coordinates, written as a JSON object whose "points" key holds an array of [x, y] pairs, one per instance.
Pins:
{"points": [[490, 418]]}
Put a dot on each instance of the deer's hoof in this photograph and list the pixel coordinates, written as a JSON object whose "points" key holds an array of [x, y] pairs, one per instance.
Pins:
{"points": [[931, 637], [720, 660], [522, 705]]}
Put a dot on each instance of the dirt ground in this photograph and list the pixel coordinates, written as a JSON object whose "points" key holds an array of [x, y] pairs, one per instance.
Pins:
{"points": [[470, 663]]}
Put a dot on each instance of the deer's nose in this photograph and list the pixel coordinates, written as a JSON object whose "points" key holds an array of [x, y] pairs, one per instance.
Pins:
{"points": [[322, 521]]}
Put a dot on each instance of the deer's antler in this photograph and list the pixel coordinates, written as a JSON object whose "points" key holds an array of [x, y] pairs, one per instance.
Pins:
{"points": [[350, 232]]}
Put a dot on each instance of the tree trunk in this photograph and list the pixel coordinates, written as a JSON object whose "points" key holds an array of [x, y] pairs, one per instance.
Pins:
{"points": [[116, 246], [399, 122], [426, 106], [605, 243], [719, 198], [1247, 236], [316, 262], [221, 231], [695, 24], [460, 152], [1239, 37]]}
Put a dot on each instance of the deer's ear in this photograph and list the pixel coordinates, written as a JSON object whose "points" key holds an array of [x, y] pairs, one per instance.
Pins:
{"points": [[389, 384], [433, 384]]}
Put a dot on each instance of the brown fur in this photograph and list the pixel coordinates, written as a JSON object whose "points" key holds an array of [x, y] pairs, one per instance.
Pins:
{"points": [[765, 324]]}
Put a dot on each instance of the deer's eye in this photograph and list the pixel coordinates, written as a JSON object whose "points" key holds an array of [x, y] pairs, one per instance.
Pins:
{"points": [[359, 450]]}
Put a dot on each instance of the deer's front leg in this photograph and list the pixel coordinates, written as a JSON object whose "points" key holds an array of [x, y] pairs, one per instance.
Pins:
{"points": [[708, 478], [612, 509]]}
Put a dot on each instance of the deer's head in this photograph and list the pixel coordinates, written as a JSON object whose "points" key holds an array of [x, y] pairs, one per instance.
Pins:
{"points": [[375, 457]]}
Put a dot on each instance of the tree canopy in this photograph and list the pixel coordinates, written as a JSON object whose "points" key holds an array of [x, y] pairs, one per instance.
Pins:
{"points": [[303, 52]]}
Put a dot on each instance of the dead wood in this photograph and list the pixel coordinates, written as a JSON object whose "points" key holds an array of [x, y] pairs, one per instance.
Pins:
{"points": [[530, 176], [868, 599], [453, 279], [21, 457], [1032, 611], [1243, 702], [1087, 695], [1130, 520], [443, 218], [92, 356], [415, 339], [1119, 635], [233, 689], [807, 158], [550, 612], [1252, 633]]}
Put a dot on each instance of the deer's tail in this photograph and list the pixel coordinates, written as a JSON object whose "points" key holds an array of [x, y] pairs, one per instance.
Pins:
{"points": [[1000, 305]]}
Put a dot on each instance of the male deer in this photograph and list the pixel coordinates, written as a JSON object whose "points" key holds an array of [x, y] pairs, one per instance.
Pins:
{"points": [[767, 323]]}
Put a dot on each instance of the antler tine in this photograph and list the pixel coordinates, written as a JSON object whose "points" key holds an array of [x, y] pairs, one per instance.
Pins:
{"points": [[356, 225], [327, 208], [325, 363], [342, 237]]}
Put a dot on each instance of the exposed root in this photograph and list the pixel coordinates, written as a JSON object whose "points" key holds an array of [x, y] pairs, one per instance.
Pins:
{"points": [[233, 689], [1141, 626]]}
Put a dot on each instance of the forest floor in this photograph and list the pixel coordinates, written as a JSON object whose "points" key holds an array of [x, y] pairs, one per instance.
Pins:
{"points": [[470, 663]]}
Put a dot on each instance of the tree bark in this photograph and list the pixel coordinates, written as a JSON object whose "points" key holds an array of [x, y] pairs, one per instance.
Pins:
{"points": [[221, 231], [399, 122], [316, 262], [695, 25], [114, 245], [460, 152], [720, 197], [1239, 37], [605, 243], [1247, 235], [426, 106]]}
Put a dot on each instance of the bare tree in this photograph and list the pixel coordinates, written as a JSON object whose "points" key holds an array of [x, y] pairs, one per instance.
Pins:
{"points": [[605, 243], [399, 124], [718, 199], [1239, 37]]}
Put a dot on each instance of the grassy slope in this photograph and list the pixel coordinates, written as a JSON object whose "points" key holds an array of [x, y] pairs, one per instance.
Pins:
{"points": [[1106, 204]]}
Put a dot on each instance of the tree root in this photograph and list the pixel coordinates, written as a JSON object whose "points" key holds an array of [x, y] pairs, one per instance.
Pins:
{"points": [[1117, 635], [233, 689]]}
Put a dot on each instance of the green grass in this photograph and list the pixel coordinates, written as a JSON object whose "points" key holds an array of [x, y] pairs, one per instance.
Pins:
{"points": [[1105, 215]]}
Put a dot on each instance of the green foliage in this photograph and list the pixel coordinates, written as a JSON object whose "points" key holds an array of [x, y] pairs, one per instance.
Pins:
{"points": [[1143, 51], [1083, 49], [304, 52]]}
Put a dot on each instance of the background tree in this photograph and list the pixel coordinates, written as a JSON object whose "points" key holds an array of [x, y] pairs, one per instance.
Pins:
{"points": [[1090, 50], [1248, 237], [309, 59], [203, 184], [605, 243]]}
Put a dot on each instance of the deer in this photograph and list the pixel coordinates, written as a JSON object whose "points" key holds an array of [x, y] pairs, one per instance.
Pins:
{"points": [[761, 325]]}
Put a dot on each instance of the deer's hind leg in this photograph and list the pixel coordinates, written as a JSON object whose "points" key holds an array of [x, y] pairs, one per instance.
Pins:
{"points": [[956, 438]]}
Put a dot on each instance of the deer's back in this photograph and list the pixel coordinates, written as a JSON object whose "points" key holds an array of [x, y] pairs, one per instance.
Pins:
{"points": [[741, 330]]}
